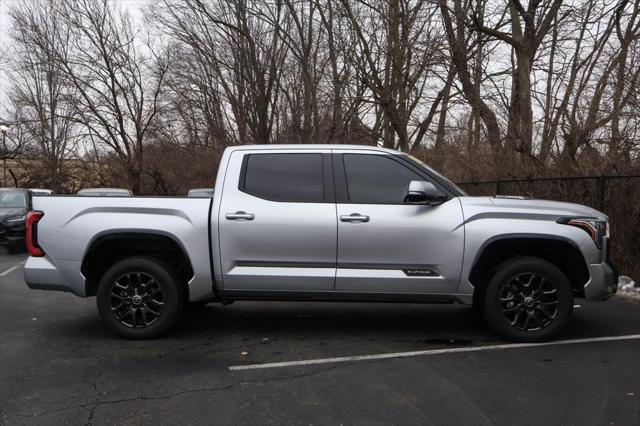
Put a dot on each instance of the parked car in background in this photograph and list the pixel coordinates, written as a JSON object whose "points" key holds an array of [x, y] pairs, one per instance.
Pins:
{"points": [[40, 191], [15, 203], [323, 223], [105, 192], [200, 192]]}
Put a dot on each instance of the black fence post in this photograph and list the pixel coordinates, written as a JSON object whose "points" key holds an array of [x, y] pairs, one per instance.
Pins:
{"points": [[601, 188], [498, 182]]}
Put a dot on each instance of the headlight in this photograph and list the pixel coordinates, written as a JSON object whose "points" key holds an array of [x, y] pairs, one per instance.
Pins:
{"points": [[596, 229], [15, 219]]}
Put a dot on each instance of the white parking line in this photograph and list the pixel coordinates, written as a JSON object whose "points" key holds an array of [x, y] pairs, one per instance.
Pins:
{"points": [[13, 268], [428, 352]]}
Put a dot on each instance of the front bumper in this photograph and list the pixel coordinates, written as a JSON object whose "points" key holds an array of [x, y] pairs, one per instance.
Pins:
{"points": [[12, 235], [603, 282]]}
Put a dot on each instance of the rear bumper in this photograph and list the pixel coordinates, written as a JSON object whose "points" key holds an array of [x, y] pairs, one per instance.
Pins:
{"points": [[41, 274]]}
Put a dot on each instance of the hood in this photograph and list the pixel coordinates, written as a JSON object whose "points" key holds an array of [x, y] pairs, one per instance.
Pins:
{"points": [[526, 206], [9, 212]]}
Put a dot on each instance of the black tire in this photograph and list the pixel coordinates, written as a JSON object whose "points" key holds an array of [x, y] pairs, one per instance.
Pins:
{"points": [[140, 298], [18, 247], [528, 300]]}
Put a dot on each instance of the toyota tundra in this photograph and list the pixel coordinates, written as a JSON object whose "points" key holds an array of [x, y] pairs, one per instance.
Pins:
{"points": [[322, 223]]}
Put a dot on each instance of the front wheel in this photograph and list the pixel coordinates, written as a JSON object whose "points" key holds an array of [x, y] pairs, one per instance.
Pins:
{"points": [[140, 298], [528, 300]]}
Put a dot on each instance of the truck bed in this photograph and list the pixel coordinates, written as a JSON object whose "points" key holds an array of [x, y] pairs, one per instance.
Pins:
{"points": [[71, 224]]}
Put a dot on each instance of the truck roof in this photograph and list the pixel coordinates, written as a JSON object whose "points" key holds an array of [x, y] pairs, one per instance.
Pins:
{"points": [[268, 147]]}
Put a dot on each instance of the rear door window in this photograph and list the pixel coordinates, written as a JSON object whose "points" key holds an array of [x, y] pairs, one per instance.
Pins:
{"points": [[284, 177]]}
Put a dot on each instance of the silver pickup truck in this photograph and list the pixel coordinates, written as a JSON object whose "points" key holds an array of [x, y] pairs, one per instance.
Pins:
{"points": [[325, 223]]}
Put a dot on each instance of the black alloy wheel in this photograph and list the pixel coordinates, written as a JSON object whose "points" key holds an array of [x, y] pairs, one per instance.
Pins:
{"points": [[136, 300], [140, 297], [529, 301]]}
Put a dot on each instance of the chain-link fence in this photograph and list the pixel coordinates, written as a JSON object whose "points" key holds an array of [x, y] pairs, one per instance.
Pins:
{"points": [[616, 196]]}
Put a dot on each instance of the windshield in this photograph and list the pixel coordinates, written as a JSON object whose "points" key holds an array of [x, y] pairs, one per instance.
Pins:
{"points": [[12, 200], [442, 178]]}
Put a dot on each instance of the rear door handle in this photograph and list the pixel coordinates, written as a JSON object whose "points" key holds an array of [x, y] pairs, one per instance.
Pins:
{"points": [[354, 217], [240, 216]]}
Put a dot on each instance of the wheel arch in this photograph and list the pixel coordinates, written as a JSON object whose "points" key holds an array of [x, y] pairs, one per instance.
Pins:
{"points": [[107, 248], [559, 251]]}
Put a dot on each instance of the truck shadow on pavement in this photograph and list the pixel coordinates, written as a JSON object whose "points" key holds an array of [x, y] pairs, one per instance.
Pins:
{"points": [[341, 328], [329, 320], [407, 325], [292, 321]]}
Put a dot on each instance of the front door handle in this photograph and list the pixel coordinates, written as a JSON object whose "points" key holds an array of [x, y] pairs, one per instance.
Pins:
{"points": [[240, 216], [354, 217]]}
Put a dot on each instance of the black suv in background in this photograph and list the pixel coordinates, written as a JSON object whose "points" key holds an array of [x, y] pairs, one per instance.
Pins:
{"points": [[14, 206]]}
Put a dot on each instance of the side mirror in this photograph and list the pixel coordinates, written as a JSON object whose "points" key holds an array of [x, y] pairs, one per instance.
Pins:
{"points": [[422, 192]]}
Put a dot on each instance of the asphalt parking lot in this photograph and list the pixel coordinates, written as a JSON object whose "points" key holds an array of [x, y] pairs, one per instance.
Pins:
{"points": [[59, 365]]}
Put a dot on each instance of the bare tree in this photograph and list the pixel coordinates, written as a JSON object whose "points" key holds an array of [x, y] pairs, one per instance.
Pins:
{"points": [[603, 78], [523, 29], [514, 88], [40, 97], [197, 118], [13, 141], [399, 49], [457, 36], [244, 56], [117, 79], [627, 69]]}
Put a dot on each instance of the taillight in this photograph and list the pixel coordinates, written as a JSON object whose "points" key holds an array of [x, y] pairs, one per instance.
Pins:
{"points": [[33, 217]]}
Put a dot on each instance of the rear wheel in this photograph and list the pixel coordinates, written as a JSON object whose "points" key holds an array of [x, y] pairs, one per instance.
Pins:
{"points": [[140, 298], [528, 300]]}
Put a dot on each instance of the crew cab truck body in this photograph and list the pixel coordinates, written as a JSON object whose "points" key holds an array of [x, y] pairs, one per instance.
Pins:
{"points": [[322, 222]]}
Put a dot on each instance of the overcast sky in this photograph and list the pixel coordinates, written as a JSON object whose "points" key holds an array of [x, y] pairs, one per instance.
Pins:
{"points": [[4, 34]]}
